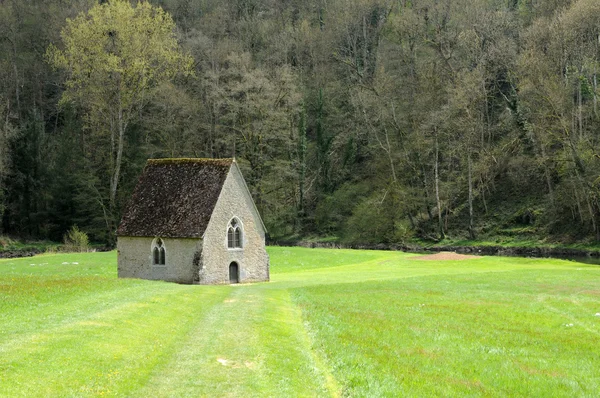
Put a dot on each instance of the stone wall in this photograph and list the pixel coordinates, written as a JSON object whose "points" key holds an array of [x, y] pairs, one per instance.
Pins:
{"points": [[135, 259], [252, 258]]}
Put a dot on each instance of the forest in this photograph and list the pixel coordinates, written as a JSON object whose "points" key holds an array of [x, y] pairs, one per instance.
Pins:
{"points": [[359, 121]]}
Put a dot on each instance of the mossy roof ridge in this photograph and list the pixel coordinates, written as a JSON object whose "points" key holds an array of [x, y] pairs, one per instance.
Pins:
{"points": [[223, 162], [174, 198]]}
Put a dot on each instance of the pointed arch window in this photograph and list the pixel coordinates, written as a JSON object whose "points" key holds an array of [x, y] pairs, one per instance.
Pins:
{"points": [[234, 234], [158, 252]]}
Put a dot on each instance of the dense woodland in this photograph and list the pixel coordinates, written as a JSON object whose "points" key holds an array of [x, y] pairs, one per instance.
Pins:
{"points": [[371, 121]]}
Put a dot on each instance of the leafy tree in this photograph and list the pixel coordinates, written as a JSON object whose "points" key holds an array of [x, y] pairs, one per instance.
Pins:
{"points": [[114, 55]]}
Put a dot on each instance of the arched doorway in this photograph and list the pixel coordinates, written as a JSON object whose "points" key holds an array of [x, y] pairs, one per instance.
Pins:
{"points": [[234, 273]]}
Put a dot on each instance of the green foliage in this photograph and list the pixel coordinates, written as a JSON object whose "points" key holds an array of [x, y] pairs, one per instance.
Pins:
{"points": [[7, 133], [379, 218], [6, 242], [369, 222], [114, 56], [76, 240], [114, 53], [9, 244], [375, 122]]}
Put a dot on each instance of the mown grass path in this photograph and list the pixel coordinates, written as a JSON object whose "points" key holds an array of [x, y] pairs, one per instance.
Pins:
{"points": [[330, 323], [249, 344]]}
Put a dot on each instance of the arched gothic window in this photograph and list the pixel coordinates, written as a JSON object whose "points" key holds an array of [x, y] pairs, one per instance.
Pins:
{"points": [[234, 234], [158, 252]]}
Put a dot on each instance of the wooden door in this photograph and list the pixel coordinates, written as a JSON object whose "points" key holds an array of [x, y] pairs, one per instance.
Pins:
{"points": [[234, 273]]}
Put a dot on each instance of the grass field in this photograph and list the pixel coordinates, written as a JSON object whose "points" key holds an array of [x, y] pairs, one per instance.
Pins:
{"points": [[330, 323]]}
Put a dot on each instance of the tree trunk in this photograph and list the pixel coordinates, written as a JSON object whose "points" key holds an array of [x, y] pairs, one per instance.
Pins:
{"points": [[302, 146], [413, 223], [16, 72], [547, 175], [116, 174], [579, 110], [437, 190], [321, 15], [388, 150], [365, 48], [119, 155], [595, 95], [483, 188], [471, 229], [578, 202]]}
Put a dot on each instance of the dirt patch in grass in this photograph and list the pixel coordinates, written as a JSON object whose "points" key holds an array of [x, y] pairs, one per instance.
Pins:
{"points": [[444, 256]]}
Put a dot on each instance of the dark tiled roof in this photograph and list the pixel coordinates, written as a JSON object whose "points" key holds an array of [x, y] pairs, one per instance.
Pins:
{"points": [[174, 198]]}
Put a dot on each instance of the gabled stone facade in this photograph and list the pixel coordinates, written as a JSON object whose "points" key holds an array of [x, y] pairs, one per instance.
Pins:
{"points": [[200, 217]]}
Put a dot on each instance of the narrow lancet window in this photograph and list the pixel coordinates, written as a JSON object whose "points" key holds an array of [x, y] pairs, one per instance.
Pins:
{"points": [[230, 238], [158, 252], [234, 234], [156, 255], [162, 256], [237, 238]]}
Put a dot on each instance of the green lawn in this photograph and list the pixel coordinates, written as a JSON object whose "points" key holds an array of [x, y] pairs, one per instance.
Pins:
{"points": [[330, 323]]}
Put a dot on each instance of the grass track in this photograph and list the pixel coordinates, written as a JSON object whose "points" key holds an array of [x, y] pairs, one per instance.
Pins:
{"points": [[330, 323]]}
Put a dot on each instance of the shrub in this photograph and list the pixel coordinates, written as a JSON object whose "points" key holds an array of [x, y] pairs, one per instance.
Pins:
{"points": [[5, 242], [76, 240]]}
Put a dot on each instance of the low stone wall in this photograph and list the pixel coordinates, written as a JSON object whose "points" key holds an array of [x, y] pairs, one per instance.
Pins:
{"points": [[356, 246], [518, 251], [19, 253]]}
